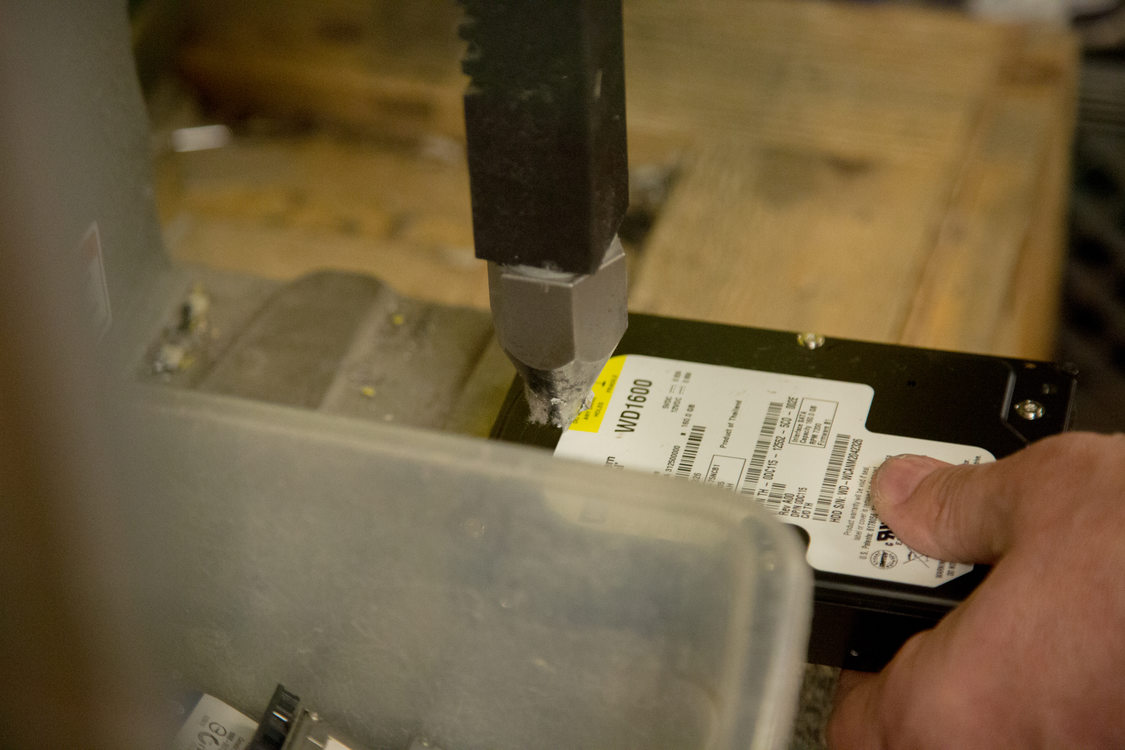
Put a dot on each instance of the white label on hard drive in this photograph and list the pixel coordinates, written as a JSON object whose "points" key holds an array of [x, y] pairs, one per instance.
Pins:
{"points": [[214, 725], [795, 445]]}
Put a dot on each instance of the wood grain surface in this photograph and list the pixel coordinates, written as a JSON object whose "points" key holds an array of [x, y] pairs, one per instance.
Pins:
{"points": [[874, 171]]}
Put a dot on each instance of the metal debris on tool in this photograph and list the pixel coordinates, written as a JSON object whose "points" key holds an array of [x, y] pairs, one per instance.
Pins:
{"points": [[545, 129]]}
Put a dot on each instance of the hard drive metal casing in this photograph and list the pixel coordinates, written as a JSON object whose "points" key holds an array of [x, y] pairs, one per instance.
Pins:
{"points": [[859, 622]]}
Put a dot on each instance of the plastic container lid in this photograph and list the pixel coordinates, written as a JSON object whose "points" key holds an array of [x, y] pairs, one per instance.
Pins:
{"points": [[483, 595]]}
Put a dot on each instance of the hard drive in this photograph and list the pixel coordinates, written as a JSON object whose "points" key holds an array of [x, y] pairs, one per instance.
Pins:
{"points": [[797, 423]]}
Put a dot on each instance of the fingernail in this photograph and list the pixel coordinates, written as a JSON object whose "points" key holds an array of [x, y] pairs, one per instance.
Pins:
{"points": [[898, 477]]}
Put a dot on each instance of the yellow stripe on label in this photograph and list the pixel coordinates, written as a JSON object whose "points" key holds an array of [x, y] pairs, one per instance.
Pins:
{"points": [[591, 419]]}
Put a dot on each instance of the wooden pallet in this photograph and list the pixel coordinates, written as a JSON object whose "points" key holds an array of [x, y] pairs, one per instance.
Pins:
{"points": [[880, 172]]}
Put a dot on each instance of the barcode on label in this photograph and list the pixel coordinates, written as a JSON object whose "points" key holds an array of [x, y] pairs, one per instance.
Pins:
{"points": [[691, 451], [761, 449], [777, 494], [831, 477]]}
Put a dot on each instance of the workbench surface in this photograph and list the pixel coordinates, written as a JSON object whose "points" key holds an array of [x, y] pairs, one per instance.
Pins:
{"points": [[872, 171]]}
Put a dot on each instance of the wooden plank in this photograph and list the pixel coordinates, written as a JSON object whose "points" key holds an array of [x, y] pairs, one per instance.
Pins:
{"points": [[382, 67], [398, 108], [1030, 319], [991, 277], [445, 275], [863, 80], [882, 172], [790, 239], [281, 207], [916, 242]]}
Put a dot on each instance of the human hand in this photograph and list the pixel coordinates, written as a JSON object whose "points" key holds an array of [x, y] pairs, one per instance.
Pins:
{"points": [[1035, 657]]}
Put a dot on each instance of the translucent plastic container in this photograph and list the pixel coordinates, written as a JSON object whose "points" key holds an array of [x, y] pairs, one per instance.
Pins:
{"points": [[485, 596]]}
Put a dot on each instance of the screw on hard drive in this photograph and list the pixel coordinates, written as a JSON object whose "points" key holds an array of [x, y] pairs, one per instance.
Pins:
{"points": [[810, 340], [1030, 410]]}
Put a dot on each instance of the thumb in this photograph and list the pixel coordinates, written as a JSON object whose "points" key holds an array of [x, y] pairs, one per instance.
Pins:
{"points": [[853, 722], [957, 513]]}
